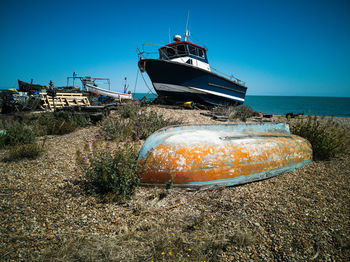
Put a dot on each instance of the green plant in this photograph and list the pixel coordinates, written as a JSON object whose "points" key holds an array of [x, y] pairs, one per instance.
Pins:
{"points": [[17, 134], [326, 137], [147, 123], [59, 123], [139, 125], [113, 128], [129, 110], [3, 138], [110, 170], [170, 183], [31, 151], [242, 112], [224, 110]]}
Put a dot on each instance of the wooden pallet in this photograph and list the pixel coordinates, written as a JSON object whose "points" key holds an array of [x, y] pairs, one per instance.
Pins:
{"points": [[64, 99]]}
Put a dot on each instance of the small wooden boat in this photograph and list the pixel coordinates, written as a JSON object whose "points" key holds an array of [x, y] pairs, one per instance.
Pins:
{"points": [[229, 154]]}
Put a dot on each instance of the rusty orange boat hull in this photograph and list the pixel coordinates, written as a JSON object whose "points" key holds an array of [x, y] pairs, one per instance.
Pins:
{"points": [[202, 155]]}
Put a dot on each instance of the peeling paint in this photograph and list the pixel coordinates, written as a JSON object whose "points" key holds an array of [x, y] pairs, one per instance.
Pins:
{"points": [[191, 157]]}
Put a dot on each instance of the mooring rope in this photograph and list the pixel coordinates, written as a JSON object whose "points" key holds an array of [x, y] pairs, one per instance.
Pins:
{"points": [[137, 76], [147, 84]]}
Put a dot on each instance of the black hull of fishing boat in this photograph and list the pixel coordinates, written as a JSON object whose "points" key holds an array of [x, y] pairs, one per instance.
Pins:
{"points": [[182, 82], [27, 87]]}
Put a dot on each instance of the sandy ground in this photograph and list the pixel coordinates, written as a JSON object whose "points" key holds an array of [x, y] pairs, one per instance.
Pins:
{"points": [[303, 215]]}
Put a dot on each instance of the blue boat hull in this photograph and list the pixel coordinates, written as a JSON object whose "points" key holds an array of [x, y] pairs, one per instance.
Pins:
{"points": [[182, 82]]}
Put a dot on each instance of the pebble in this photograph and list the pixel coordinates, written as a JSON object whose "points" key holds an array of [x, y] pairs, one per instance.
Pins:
{"points": [[281, 218]]}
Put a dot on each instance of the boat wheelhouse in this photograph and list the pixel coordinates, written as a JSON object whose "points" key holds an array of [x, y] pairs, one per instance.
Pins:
{"points": [[182, 73], [185, 52]]}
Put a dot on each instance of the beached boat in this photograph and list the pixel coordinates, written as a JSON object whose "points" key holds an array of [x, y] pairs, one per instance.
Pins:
{"points": [[28, 87], [182, 73], [103, 92], [229, 154], [89, 85]]}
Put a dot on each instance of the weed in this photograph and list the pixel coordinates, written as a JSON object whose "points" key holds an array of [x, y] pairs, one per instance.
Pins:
{"points": [[133, 123], [31, 151], [113, 128], [3, 138], [110, 170], [147, 123], [59, 123], [129, 110], [169, 184], [224, 110], [326, 137], [17, 134], [242, 112]]}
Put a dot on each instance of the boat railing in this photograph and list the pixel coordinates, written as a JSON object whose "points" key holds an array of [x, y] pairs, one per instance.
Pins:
{"points": [[232, 77], [145, 54]]}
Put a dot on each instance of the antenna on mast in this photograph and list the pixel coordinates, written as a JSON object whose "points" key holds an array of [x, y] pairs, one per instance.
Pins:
{"points": [[187, 33]]}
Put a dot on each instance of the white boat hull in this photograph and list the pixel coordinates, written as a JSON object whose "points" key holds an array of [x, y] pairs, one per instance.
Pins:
{"points": [[109, 93]]}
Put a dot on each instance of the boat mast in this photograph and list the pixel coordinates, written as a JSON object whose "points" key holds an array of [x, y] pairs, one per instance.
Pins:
{"points": [[187, 32]]}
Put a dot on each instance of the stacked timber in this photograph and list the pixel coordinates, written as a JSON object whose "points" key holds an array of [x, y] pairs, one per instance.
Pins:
{"points": [[64, 99]]}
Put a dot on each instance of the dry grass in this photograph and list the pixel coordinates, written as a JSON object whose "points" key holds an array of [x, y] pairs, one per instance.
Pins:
{"points": [[158, 234]]}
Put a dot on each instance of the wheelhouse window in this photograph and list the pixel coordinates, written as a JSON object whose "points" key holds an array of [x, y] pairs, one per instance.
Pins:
{"points": [[193, 50], [200, 53], [168, 52], [163, 54], [171, 52], [181, 50]]}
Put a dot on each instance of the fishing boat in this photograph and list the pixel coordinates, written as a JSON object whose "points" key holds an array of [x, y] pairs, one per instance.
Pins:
{"points": [[28, 87], [182, 73], [224, 155]]}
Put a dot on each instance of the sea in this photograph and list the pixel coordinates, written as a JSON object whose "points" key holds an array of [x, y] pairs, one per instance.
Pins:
{"points": [[281, 105]]}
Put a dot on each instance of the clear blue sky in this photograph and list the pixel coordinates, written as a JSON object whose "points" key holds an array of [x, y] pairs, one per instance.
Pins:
{"points": [[277, 47]]}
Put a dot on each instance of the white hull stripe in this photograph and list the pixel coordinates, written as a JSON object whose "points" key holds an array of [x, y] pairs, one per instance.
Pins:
{"points": [[178, 88], [175, 88], [220, 94]]}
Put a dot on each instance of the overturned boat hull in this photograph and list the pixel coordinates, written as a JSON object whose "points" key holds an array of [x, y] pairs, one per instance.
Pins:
{"points": [[202, 155]]}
